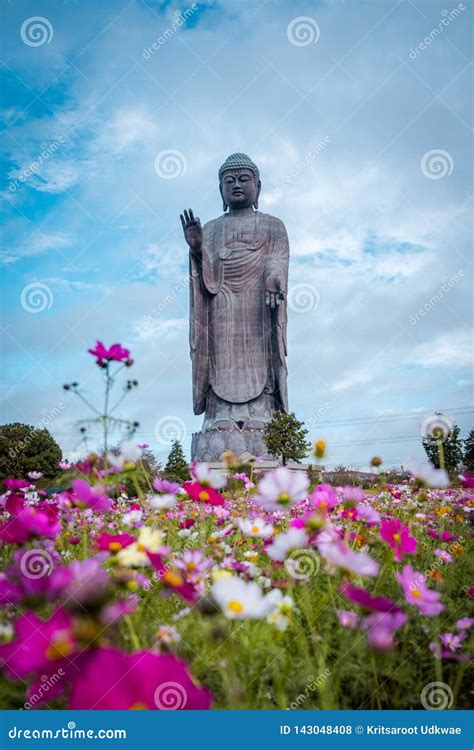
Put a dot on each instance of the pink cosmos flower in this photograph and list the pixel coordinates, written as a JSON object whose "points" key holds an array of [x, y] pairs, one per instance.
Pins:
{"points": [[380, 629], [115, 353], [443, 555], [114, 542], [16, 484], [162, 486], [194, 565], [114, 680], [347, 619], [452, 641], [353, 494], [34, 574], [365, 600], [28, 521], [203, 494], [467, 480], [417, 593], [324, 497], [173, 580], [398, 537], [465, 623], [368, 514], [86, 496], [336, 553], [88, 584], [38, 644]]}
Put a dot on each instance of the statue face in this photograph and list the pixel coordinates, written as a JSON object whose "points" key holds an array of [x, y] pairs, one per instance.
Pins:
{"points": [[238, 188]]}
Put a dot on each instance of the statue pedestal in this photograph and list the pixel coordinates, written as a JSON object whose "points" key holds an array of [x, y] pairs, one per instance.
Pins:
{"points": [[209, 445]]}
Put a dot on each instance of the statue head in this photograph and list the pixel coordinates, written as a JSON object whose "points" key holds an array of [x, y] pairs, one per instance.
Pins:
{"points": [[239, 182]]}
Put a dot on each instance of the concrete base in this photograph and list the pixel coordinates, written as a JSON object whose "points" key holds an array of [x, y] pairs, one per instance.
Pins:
{"points": [[261, 466], [209, 445]]}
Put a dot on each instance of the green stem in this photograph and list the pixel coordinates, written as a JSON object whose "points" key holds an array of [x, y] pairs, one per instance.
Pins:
{"points": [[133, 633]]}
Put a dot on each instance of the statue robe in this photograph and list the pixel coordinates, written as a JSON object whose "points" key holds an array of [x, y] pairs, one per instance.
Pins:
{"points": [[238, 344]]}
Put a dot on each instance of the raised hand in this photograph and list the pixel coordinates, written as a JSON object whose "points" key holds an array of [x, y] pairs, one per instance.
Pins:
{"points": [[192, 230]]}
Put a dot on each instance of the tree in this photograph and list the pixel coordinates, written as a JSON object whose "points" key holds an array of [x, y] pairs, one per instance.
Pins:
{"points": [[285, 437], [448, 447], [468, 459], [176, 469], [24, 448]]}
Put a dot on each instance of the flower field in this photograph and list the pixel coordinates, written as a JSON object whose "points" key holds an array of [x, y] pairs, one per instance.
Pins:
{"points": [[236, 591]]}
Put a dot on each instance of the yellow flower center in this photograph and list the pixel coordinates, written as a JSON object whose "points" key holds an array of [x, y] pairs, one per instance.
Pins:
{"points": [[173, 579], [255, 529], [284, 498], [236, 607], [416, 593], [396, 537], [323, 504], [114, 546], [203, 495], [59, 649], [138, 706]]}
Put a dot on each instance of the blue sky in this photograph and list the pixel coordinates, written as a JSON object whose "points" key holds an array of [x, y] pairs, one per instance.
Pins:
{"points": [[362, 137]]}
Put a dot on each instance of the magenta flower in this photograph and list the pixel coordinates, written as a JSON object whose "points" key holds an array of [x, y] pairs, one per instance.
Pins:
{"points": [[38, 644], [173, 580], [33, 574], [114, 542], [16, 484], [28, 521], [417, 593], [367, 601], [114, 680], [86, 496], [115, 353], [398, 537]]}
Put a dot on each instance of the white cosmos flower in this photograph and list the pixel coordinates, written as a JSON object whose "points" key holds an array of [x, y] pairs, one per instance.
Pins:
{"points": [[285, 543], [204, 475], [255, 527], [428, 473], [242, 600], [281, 487], [132, 517], [129, 453], [162, 502]]}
